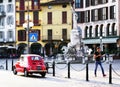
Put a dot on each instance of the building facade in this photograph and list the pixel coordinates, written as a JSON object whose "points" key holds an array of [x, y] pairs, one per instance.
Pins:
{"points": [[100, 23], [7, 22], [52, 21]]}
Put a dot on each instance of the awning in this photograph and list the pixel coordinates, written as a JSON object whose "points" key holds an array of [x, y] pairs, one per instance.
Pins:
{"points": [[97, 41]]}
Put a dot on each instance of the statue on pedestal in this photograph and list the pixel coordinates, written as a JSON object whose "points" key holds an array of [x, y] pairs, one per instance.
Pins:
{"points": [[76, 48]]}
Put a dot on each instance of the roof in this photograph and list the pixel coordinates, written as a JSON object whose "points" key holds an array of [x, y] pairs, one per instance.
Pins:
{"points": [[55, 2], [30, 55]]}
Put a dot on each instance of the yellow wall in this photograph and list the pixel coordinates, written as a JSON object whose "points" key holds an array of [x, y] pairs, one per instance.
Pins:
{"points": [[43, 1], [56, 25]]}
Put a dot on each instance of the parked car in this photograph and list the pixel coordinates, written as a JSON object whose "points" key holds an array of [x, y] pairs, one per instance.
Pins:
{"points": [[29, 64]]}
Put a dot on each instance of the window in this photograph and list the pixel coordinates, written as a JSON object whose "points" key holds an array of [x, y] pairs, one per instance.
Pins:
{"points": [[112, 12], [114, 30], [87, 16], [9, 0], [36, 19], [96, 31], [86, 29], [35, 4], [92, 2], [80, 17], [49, 17], [1, 35], [50, 34], [87, 32], [38, 32], [100, 14], [113, 0], [104, 1], [2, 21], [21, 35], [96, 2], [78, 3], [1, 1], [10, 20], [64, 17], [10, 34], [21, 17], [64, 6], [101, 30], [108, 30], [105, 13], [22, 5], [10, 8], [100, 1], [34, 58], [64, 34], [87, 3], [2, 7], [94, 14], [90, 32]]}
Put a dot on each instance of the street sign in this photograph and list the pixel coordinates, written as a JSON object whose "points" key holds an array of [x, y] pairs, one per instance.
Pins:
{"points": [[33, 37]]}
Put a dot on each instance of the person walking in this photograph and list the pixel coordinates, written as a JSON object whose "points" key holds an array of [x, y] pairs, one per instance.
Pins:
{"points": [[97, 56]]}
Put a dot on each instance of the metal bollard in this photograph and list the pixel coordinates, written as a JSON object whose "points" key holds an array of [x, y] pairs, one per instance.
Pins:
{"points": [[110, 73], [87, 76], [68, 69], [6, 64], [12, 64], [53, 68]]}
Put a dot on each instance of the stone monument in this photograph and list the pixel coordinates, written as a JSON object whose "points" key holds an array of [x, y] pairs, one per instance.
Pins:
{"points": [[76, 48]]}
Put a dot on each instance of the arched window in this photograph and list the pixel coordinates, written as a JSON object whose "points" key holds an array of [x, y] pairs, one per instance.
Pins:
{"points": [[90, 31], [86, 29], [96, 31], [114, 31], [101, 30], [108, 30]]}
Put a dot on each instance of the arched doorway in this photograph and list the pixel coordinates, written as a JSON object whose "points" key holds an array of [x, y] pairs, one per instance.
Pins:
{"points": [[21, 48], [36, 48], [49, 49]]}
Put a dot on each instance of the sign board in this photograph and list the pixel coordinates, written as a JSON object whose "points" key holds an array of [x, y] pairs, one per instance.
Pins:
{"points": [[33, 37]]}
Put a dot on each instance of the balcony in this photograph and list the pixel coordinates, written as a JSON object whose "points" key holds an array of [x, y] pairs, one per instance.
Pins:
{"points": [[55, 38]]}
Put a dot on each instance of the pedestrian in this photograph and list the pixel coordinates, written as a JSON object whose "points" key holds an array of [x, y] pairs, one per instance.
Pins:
{"points": [[97, 56]]}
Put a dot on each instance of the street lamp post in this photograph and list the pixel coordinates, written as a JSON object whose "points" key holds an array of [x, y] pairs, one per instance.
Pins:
{"points": [[27, 26], [101, 44]]}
